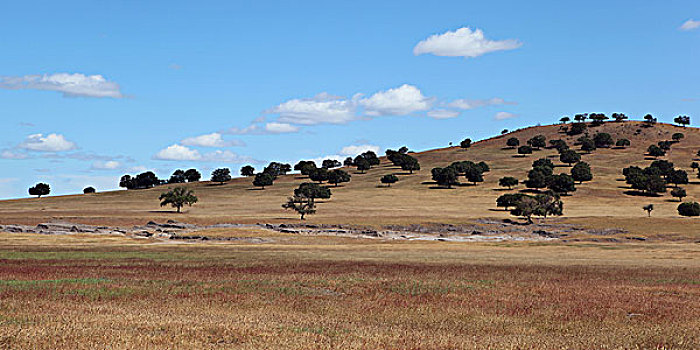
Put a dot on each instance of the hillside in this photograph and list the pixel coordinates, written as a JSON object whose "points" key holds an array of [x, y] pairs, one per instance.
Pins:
{"points": [[414, 199]]}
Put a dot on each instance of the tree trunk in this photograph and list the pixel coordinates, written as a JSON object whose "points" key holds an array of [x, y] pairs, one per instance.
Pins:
{"points": [[302, 216], [178, 208]]}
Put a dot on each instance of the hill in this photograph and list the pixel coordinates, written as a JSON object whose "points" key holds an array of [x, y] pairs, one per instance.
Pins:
{"points": [[602, 202]]}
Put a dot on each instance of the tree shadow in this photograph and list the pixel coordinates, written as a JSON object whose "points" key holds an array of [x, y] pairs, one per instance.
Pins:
{"points": [[519, 156], [502, 189], [499, 210], [214, 184], [530, 190], [441, 188], [641, 194], [166, 212], [255, 189]]}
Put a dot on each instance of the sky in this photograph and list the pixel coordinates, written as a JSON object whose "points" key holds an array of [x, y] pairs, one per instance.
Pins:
{"points": [[92, 90]]}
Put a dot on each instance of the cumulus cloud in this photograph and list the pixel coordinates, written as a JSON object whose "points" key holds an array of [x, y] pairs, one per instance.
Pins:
{"points": [[354, 150], [182, 153], [403, 100], [71, 85], [690, 25], [48, 143], [106, 165], [321, 109], [504, 115], [442, 114], [463, 42], [211, 140]]}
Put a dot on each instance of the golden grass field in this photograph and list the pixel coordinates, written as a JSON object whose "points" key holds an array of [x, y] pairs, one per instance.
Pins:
{"points": [[88, 291]]}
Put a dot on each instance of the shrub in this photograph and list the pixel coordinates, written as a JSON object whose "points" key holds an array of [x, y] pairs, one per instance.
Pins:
{"points": [[689, 209], [389, 179], [513, 142], [466, 143], [525, 150], [622, 143], [89, 190]]}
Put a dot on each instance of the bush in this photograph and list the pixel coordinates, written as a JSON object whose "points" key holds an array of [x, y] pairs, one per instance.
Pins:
{"points": [[689, 209], [513, 142], [466, 143], [389, 179], [622, 143], [524, 150], [89, 190]]}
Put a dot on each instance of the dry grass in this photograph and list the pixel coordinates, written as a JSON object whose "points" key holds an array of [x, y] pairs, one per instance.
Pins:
{"points": [[413, 199], [72, 292]]}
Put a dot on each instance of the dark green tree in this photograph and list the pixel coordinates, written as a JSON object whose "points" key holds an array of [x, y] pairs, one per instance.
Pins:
{"points": [[466, 143], [603, 140], [577, 129], [508, 181], [569, 157], [409, 163], [192, 175], [561, 183], [689, 209], [263, 179], [655, 151], [677, 177], [683, 120], [362, 165], [338, 176], [88, 190], [330, 164], [508, 200], [525, 150], [305, 167], [177, 177], [538, 141], [536, 178], [389, 179], [247, 170], [513, 142], [302, 205], [319, 175], [587, 145], [622, 143], [312, 191], [543, 162], [276, 169], [221, 175], [581, 172], [445, 177], [619, 117], [679, 193], [177, 198], [565, 120], [677, 137]]}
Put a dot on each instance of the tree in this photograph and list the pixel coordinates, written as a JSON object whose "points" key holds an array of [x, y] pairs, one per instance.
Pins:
{"points": [[302, 205], [276, 169], [221, 175], [682, 120], [581, 117], [538, 141], [541, 205], [543, 162], [524, 150], [248, 170], [603, 140], [89, 190], [362, 165], [147, 180], [577, 129], [319, 175], [403, 150], [689, 209], [338, 176], [665, 145], [474, 174], [562, 183], [177, 177], [677, 137], [645, 180], [508, 200], [559, 145], [569, 157], [679, 193], [508, 181], [623, 143], [565, 120], [648, 208], [389, 179], [330, 164], [649, 119], [312, 191], [177, 198], [192, 175], [504, 131], [370, 157], [483, 166], [526, 207], [348, 161], [536, 178], [305, 167], [587, 145], [409, 163], [655, 151], [598, 118], [466, 143], [127, 182], [677, 177], [619, 117], [581, 172], [263, 179], [513, 142], [445, 176]]}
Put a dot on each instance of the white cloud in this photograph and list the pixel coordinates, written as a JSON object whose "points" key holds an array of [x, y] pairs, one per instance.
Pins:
{"points": [[106, 165], [354, 150], [50, 143], [71, 85], [462, 42], [442, 114], [182, 153], [504, 115], [321, 109], [211, 140], [178, 152], [10, 154], [280, 128], [690, 25], [466, 104], [402, 100]]}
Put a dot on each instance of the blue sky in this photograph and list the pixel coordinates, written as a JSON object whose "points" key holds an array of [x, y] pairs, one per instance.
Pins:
{"points": [[90, 90]]}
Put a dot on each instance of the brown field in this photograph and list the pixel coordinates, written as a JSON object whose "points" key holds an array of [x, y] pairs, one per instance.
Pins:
{"points": [[88, 291]]}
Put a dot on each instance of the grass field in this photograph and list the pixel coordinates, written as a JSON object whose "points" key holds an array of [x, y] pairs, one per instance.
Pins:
{"points": [[414, 199], [87, 292]]}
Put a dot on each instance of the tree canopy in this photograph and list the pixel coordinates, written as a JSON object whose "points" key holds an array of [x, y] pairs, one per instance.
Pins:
{"points": [[40, 189], [177, 198]]}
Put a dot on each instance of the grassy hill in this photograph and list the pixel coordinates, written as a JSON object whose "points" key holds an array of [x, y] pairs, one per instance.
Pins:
{"points": [[414, 199]]}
